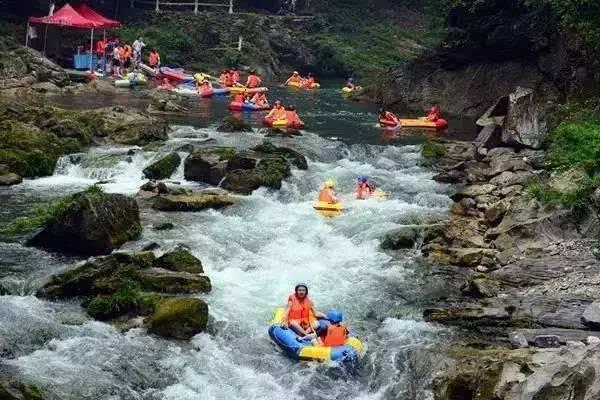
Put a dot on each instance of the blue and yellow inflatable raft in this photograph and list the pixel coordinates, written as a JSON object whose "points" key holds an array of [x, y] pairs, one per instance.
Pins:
{"points": [[288, 341]]}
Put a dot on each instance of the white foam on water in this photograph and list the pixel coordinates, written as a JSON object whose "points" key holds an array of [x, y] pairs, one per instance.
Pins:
{"points": [[255, 253]]}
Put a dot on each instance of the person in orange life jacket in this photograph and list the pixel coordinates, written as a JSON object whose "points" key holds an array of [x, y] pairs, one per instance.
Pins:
{"points": [[291, 114], [327, 194], [337, 332], [239, 97], [154, 59], [100, 53], [128, 54], [300, 313], [260, 99], [235, 76], [203, 85], [363, 189], [309, 81], [277, 112], [295, 78], [385, 115], [253, 80], [433, 114], [225, 79]]}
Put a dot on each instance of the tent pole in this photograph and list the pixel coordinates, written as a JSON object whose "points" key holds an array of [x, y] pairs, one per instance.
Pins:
{"points": [[92, 50], [45, 36], [27, 36], [104, 55]]}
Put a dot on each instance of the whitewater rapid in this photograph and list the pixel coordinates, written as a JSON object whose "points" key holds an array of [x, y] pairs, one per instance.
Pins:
{"points": [[254, 253]]}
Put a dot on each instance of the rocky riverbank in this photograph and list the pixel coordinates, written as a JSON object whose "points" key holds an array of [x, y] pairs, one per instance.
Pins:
{"points": [[530, 267]]}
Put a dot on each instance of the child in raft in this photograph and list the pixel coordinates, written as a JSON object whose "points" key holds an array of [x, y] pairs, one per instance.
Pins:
{"points": [[388, 118], [309, 81], [291, 115], [204, 85], [433, 114], [337, 333], [350, 84]]}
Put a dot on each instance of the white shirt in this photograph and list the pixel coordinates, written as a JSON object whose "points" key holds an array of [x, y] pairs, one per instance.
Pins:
{"points": [[137, 46]]}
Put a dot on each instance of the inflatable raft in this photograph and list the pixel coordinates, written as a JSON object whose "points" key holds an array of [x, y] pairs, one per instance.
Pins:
{"points": [[301, 86], [283, 123], [289, 342], [213, 92], [176, 75], [131, 79], [245, 106], [417, 123], [386, 124], [242, 89], [329, 209]]}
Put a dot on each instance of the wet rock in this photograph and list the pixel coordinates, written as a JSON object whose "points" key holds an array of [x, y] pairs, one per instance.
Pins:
{"points": [[208, 165], [591, 315], [179, 318], [448, 177], [127, 126], [165, 281], [489, 137], [93, 223], [518, 340], [495, 212], [151, 246], [270, 172], [162, 188], [293, 157], [163, 168], [508, 178], [525, 122], [480, 287], [45, 87], [409, 235], [509, 191], [193, 202], [469, 257], [179, 260], [233, 124], [165, 226], [473, 191], [13, 390], [10, 179], [546, 341]]}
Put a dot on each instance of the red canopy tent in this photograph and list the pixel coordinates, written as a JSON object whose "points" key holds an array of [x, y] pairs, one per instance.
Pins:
{"points": [[81, 17]]}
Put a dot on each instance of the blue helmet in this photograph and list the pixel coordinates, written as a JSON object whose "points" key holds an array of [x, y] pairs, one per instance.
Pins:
{"points": [[335, 316], [350, 79], [363, 179]]}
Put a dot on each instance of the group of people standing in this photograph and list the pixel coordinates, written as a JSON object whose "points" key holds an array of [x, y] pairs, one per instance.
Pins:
{"points": [[124, 56]]}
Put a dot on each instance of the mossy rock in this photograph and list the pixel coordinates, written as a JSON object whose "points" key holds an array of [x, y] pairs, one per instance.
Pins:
{"points": [[295, 158], [28, 151], [193, 202], [126, 300], [179, 260], [163, 168], [270, 172], [165, 281], [179, 318], [233, 124], [93, 223]]}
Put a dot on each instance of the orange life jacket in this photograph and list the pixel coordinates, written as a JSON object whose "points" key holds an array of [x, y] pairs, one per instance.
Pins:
{"points": [[326, 195], [253, 81], [295, 79], [122, 53], [154, 58], [300, 310], [433, 114], [100, 47], [239, 98], [335, 336], [291, 116], [235, 77], [128, 51], [259, 99], [388, 117], [364, 190], [277, 113]]}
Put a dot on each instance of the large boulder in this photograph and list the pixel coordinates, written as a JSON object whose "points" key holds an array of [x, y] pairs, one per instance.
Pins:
{"points": [[525, 123], [93, 223], [10, 179], [269, 172], [209, 165], [233, 124], [193, 201], [163, 168], [591, 315], [179, 318], [165, 281], [179, 260], [128, 126], [295, 158]]}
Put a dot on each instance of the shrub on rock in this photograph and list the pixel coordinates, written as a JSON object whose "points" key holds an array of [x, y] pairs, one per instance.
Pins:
{"points": [[179, 318]]}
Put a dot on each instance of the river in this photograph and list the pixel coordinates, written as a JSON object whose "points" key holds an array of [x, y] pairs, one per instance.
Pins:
{"points": [[254, 254]]}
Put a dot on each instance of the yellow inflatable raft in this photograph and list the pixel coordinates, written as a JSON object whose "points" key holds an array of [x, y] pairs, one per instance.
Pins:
{"points": [[329, 209]]}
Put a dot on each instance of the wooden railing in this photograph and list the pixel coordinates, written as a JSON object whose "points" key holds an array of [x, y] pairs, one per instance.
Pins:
{"points": [[195, 4]]}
